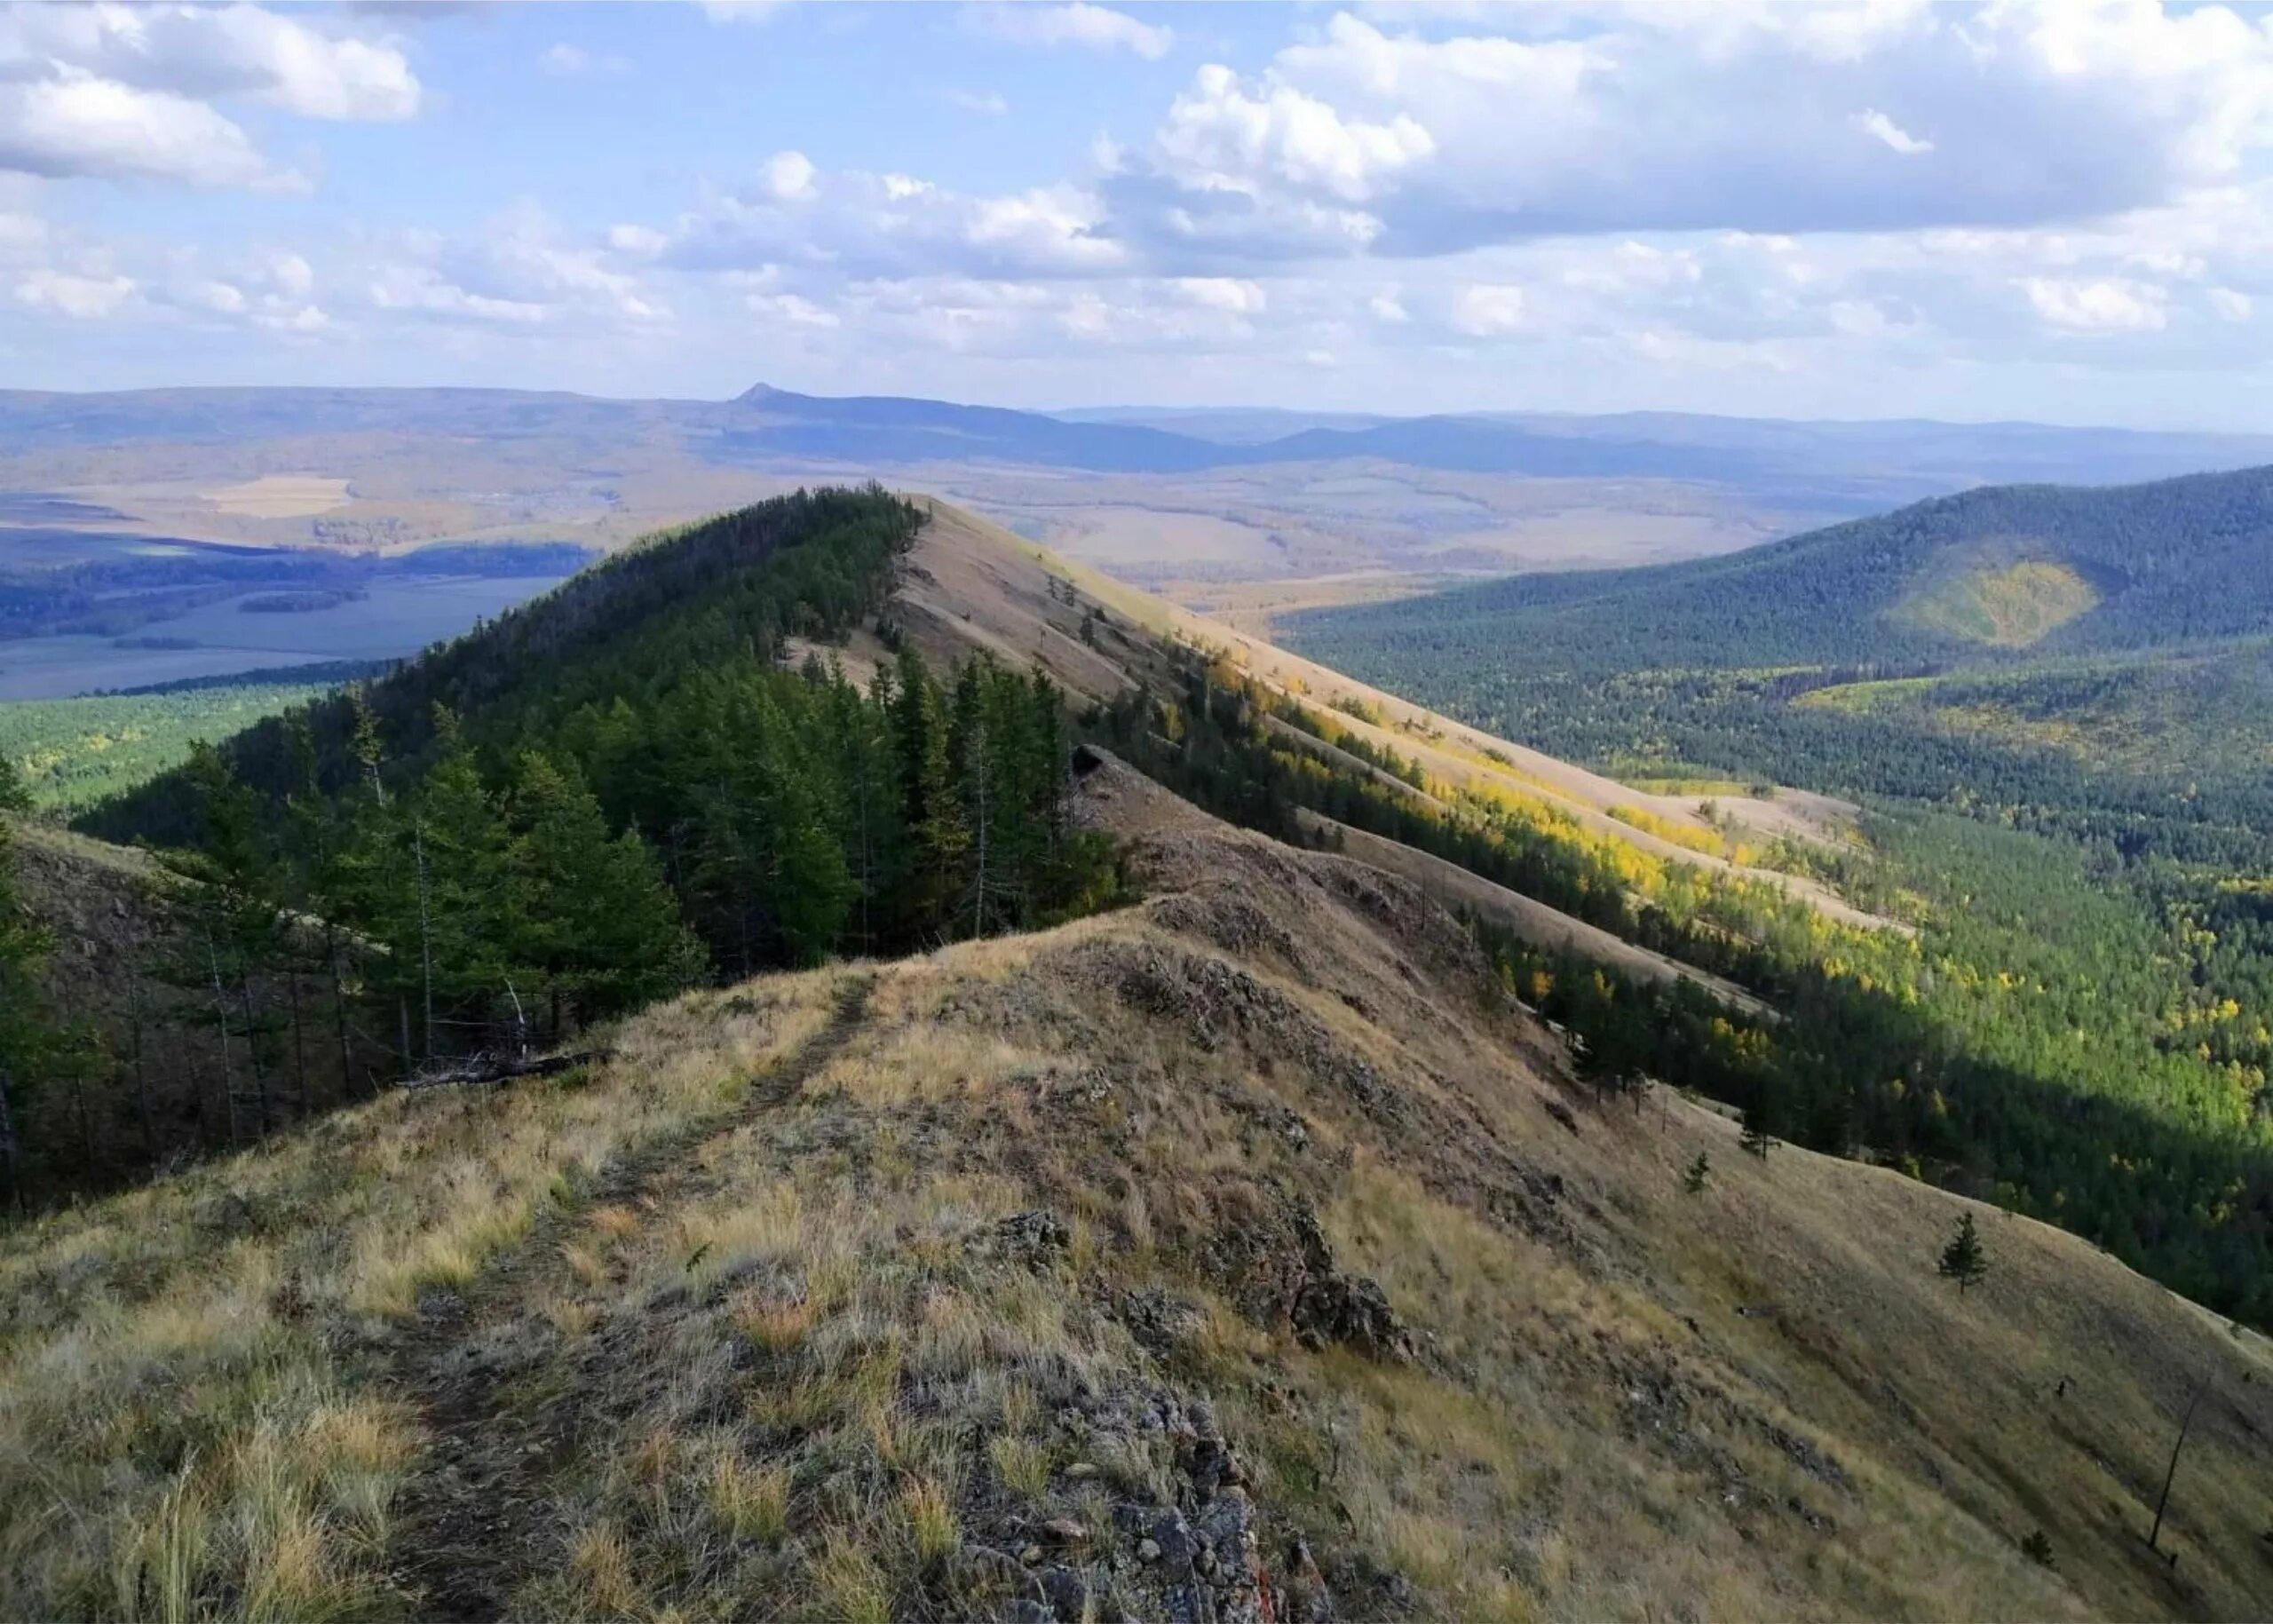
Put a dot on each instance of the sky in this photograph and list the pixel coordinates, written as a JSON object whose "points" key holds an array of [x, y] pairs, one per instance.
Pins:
{"points": [[2060, 212]]}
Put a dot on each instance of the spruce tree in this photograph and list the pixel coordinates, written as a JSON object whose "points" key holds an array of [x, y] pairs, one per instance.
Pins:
{"points": [[1693, 1180], [1963, 1259]]}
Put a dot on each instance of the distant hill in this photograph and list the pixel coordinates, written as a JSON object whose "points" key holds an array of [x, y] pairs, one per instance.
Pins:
{"points": [[1966, 578], [1846, 465]]}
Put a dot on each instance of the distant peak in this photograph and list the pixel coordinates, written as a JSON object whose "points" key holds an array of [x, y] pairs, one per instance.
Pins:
{"points": [[756, 395]]}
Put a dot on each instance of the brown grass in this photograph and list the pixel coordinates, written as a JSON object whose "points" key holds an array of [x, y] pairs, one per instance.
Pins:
{"points": [[807, 1362]]}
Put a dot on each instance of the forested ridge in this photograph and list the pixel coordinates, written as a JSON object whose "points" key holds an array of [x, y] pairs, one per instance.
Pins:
{"points": [[622, 789], [2170, 562]]}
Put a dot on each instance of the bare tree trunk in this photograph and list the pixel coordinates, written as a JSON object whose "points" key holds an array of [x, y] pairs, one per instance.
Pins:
{"points": [[10, 1149], [221, 1027], [252, 1056], [299, 1053], [340, 1013], [978, 894], [2171, 1475], [86, 1122], [425, 938], [142, 1080]]}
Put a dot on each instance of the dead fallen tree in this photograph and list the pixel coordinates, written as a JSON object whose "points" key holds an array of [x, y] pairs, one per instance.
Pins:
{"points": [[486, 1070]]}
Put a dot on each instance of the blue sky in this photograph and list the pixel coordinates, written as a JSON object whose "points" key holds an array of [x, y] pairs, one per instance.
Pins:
{"points": [[2061, 212]]}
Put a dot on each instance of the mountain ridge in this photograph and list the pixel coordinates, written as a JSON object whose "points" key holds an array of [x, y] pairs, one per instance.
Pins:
{"points": [[1237, 1254]]}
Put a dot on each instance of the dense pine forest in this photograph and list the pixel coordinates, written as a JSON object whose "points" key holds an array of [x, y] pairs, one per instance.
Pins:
{"points": [[622, 789]]}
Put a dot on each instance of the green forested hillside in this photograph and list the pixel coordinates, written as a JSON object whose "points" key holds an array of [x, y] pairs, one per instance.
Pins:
{"points": [[2084, 838], [71, 754], [615, 791], [2086, 569]]}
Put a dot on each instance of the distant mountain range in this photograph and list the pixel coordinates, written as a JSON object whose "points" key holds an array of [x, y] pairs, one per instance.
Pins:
{"points": [[1851, 467]]}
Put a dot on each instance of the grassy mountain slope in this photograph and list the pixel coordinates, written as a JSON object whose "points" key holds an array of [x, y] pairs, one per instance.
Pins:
{"points": [[1045, 1269]]}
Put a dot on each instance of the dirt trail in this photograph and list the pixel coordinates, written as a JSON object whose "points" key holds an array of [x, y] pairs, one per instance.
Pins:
{"points": [[477, 1522]]}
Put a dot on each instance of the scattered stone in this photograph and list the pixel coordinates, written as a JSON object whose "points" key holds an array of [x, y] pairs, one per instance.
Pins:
{"points": [[1032, 1555], [1304, 1596], [1351, 1311], [1149, 1550], [1066, 1531], [1081, 1471], [1025, 1611], [1068, 1593], [1033, 1236], [1160, 1323]]}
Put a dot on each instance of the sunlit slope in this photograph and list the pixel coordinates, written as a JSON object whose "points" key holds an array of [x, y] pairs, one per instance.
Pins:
{"points": [[1036, 1268], [969, 582]]}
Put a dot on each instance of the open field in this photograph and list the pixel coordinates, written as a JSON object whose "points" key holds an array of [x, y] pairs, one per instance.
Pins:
{"points": [[280, 495]]}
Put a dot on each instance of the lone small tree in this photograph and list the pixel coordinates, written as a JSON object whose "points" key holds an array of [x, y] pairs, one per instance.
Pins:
{"points": [[2037, 1548], [1693, 1180], [1756, 1137], [1963, 1260]]}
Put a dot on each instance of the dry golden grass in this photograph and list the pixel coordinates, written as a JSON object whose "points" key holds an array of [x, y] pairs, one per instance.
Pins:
{"points": [[805, 1361], [179, 1425]]}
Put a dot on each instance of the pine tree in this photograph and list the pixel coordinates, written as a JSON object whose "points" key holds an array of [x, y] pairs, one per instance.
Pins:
{"points": [[2037, 1548], [1693, 1180], [1963, 1259], [594, 929], [1756, 1137]]}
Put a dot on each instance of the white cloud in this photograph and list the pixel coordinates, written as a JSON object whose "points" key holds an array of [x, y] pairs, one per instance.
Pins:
{"points": [[1222, 136], [1877, 125], [790, 176], [1232, 294], [859, 224], [743, 10], [215, 52], [1389, 305], [83, 298], [75, 124], [563, 60], [1094, 27], [793, 309], [2107, 305], [129, 92], [989, 104], [521, 271], [1670, 118], [222, 298], [2230, 305], [637, 241], [292, 274], [1488, 310]]}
